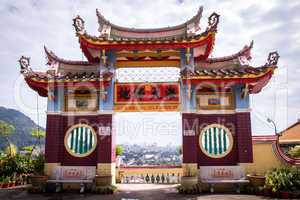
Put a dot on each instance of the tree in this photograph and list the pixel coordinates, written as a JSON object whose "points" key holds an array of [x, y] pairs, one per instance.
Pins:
{"points": [[11, 150], [38, 134], [6, 130], [119, 150], [294, 152], [28, 149]]}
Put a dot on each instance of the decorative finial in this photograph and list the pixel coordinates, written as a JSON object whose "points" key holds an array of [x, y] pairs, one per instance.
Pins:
{"points": [[24, 63], [213, 21], [78, 23], [273, 58]]}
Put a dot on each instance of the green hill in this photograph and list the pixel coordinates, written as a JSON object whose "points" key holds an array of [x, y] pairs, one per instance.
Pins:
{"points": [[23, 125]]}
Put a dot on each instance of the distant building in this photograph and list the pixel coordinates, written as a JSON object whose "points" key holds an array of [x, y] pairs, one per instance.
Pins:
{"points": [[290, 137]]}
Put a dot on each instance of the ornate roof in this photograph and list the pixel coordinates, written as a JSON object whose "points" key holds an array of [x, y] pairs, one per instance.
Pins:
{"points": [[63, 66], [246, 51], [116, 37], [234, 69], [106, 28], [241, 58], [256, 77], [91, 44], [43, 81], [186, 31]]}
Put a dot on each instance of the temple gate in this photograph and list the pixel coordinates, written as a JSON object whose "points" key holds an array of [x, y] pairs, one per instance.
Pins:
{"points": [[211, 93]]}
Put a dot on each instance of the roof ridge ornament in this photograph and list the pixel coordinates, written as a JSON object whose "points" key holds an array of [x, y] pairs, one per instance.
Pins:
{"points": [[24, 64], [213, 21], [78, 24], [49, 55], [273, 58], [245, 54], [104, 25]]}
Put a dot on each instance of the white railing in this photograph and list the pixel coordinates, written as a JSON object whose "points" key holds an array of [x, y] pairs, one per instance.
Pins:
{"points": [[150, 174], [152, 178]]}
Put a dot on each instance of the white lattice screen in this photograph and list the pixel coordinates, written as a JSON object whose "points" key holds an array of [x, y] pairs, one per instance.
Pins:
{"points": [[153, 74]]}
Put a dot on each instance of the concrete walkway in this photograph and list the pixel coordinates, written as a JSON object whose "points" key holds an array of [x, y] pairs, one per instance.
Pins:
{"points": [[125, 192]]}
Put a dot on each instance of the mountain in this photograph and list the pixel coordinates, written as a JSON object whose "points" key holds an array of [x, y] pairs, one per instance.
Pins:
{"points": [[23, 126]]}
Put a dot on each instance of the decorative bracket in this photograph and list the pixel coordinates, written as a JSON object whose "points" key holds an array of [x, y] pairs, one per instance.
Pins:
{"points": [[245, 91], [273, 58], [104, 57], [188, 56], [213, 21], [78, 24]]}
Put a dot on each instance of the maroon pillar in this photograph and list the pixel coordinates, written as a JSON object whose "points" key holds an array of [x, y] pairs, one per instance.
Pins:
{"points": [[53, 135], [243, 126], [189, 138], [106, 146]]}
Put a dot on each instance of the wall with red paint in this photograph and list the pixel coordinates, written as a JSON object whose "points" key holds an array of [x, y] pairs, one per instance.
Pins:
{"points": [[56, 128], [240, 126]]}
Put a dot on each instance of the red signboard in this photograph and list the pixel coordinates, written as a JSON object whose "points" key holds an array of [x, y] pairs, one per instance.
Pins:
{"points": [[126, 93]]}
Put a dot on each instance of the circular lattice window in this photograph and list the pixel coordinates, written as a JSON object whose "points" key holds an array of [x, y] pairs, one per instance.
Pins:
{"points": [[80, 140], [216, 141]]}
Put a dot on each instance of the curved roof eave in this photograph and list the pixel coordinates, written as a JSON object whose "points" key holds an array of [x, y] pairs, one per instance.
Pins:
{"points": [[51, 56], [243, 52], [102, 20]]}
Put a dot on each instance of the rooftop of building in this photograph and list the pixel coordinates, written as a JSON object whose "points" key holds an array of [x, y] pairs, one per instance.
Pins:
{"points": [[291, 135]]}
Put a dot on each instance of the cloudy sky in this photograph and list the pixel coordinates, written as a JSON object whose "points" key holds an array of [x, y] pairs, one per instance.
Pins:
{"points": [[273, 25]]}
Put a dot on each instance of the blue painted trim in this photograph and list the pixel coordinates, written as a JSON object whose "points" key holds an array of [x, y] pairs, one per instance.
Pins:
{"points": [[182, 59], [239, 102]]}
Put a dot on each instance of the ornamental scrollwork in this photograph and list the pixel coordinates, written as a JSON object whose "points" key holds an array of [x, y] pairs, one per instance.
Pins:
{"points": [[24, 63], [78, 24], [213, 21], [273, 58]]}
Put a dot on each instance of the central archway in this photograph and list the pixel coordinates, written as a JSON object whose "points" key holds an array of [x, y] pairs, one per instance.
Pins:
{"points": [[151, 142]]}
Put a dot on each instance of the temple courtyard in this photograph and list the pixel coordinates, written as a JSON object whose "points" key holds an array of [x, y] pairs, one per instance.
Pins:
{"points": [[125, 192]]}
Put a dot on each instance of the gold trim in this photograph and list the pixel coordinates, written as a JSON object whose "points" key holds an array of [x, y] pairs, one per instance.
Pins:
{"points": [[147, 107], [152, 63], [66, 141], [148, 54], [107, 42], [228, 133]]}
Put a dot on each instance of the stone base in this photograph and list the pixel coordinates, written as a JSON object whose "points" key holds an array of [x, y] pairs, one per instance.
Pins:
{"points": [[190, 169], [189, 181], [103, 180], [189, 185], [106, 173]]}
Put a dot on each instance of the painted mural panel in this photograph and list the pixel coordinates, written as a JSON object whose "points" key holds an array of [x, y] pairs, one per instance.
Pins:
{"points": [[215, 100], [147, 97]]}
